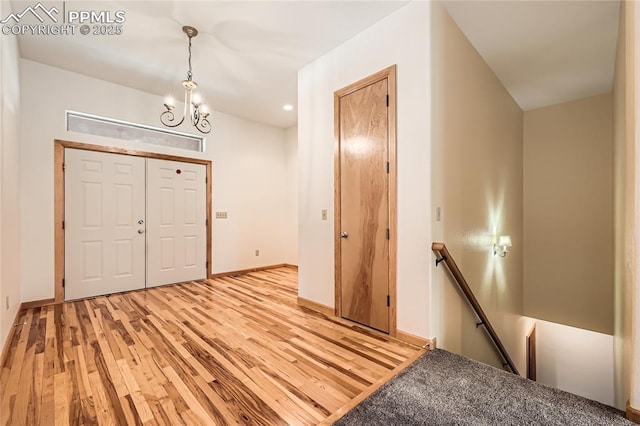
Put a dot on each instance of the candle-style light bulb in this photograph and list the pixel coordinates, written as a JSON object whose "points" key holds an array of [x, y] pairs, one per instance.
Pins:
{"points": [[169, 102]]}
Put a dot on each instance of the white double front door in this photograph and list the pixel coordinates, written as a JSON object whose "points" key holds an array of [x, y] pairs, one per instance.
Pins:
{"points": [[131, 222]]}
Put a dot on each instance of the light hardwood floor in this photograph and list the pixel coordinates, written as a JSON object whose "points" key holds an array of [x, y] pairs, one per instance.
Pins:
{"points": [[221, 351]]}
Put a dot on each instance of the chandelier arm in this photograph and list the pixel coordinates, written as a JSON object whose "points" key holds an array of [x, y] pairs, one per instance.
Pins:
{"points": [[195, 116], [188, 104], [168, 117], [203, 125]]}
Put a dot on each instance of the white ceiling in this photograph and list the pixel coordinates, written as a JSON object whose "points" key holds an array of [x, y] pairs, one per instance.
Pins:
{"points": [[247, 54], [544, 52], [245, 58]]}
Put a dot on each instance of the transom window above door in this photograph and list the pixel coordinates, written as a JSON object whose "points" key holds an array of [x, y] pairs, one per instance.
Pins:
{"points": [[117, 129]]}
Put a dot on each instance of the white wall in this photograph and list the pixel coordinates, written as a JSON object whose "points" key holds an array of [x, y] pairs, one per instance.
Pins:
{"points": [[401, 38], [575, 360], [248, 170], [9, 182], [291, 182]]}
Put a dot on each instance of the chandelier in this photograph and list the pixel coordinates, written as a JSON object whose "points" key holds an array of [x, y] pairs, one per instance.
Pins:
{"points": [[193, 107]]}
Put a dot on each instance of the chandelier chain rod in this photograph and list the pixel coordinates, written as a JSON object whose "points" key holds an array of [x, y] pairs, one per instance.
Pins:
{"points": [[190, 72]]}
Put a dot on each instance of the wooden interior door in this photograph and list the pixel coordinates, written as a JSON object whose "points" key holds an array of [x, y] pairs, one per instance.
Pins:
{"points": [[104, 223], [531, 354], [176, 222], [364, 205]]}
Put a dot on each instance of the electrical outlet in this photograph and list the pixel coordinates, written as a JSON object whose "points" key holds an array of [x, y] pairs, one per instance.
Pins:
{"points": [[438, 215], [324, 214], [6, 302], [221, 215], [257, 252]]}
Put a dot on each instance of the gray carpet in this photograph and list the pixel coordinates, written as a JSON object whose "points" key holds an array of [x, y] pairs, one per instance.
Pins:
{"points": [[442, 388]]}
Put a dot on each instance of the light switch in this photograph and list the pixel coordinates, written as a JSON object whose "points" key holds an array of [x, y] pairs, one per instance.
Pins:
{"points": [[221, 215], [438, 216], [324, 214]]}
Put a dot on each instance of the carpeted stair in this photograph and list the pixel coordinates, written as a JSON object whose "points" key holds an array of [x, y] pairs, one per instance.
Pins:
{"points": [[442, 388]]}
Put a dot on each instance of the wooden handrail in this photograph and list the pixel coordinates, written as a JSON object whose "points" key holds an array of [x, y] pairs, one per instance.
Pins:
{"points": [[445, 256]]}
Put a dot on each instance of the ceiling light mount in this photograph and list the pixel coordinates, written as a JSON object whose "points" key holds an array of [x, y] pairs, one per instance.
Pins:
{"points": [[190, 31], [193, 106]]}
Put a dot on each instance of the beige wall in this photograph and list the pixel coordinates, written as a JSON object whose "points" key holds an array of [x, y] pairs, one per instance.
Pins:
{"points": [[568, 213], [477, 183]]}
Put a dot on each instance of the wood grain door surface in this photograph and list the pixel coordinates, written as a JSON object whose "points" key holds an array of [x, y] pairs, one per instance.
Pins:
{"points": [[364, 205]]}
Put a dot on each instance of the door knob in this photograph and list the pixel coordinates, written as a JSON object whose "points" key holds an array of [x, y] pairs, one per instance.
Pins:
{"points": [[140, 222], [140, 231], [344, 235]]}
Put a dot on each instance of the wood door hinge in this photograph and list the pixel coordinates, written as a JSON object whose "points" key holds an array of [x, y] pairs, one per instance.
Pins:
{"points": [[206, 264], [388, 167], [388, 300], [63, 283], [63, 224], [387, 100], [388, 234], [63, 167]]}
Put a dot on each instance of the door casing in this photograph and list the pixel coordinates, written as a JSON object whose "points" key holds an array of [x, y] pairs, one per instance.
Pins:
{"points": [[58, 183], [388, 73]]}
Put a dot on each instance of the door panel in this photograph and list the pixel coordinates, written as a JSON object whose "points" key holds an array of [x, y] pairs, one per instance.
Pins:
{"points": [[364, 205], [104, 199], [176, 228]]}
